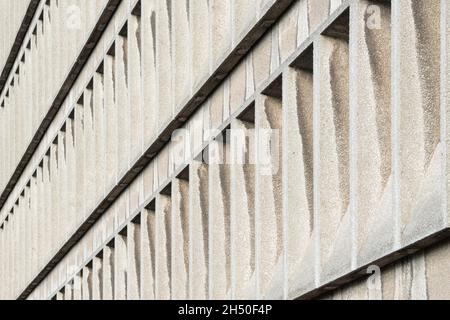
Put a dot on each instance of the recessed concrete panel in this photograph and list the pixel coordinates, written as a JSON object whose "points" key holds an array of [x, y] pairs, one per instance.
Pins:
{"points": [[120, 267], [221, 35], [201, 41], [219, 222], [199, 231], [111, 110], [149, 96], [182, 49], [148, 258], [135, 84], [108, 281], [298, 179], [180, 239], [164, 52], [122, 101], [417, 104], [133, 261], [244, 14], [332, 171]]}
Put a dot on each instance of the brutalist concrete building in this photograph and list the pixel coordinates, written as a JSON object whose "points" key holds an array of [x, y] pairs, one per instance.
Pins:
{"points": [[224, 149]]}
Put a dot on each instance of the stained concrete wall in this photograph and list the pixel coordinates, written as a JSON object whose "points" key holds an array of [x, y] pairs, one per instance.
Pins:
{"points": [[329, 76]]}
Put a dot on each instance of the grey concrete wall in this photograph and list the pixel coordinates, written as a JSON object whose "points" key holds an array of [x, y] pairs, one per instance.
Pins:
{"points": [[358, 101], [13, 13]]}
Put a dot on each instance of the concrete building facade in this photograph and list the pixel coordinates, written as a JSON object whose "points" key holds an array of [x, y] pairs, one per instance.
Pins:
{"points": [[224, 149]]}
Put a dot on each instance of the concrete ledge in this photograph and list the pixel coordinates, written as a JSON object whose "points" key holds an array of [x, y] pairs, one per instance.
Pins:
{"points": [[384, 261]]}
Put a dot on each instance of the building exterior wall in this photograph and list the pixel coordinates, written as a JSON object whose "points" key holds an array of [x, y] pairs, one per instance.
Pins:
{"points": [[111, 122]]}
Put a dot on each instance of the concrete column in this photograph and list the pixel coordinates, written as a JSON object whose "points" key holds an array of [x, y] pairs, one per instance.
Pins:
{"points": [[221, 29], [181, 33], [68, 291], [445, 92], [89, 153], [108, 272], [135, 84], [180, 239], [149, 70], [371, 129], [122, 101], [201, 41], [86, 284], [100, 133], [244, 14], [163, 248], [63, 196], [332, 207], [134, 263], [40, 217], [120, 266], [219, 221], [268, 197], [77, 287], [55, 212], [164, 49], [111, 114], [97, 277], [80, 144], [242, 220], [148, 258], [416, 27]]}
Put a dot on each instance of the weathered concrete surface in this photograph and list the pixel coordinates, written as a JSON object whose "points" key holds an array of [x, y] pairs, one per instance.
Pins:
{"points": [[357, 177]]}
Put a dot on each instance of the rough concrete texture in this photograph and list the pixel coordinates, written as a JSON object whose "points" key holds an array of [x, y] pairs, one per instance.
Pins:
{"points": [[298, 176], [94, 204], [419, 109], [242, 220], [268, 199]]}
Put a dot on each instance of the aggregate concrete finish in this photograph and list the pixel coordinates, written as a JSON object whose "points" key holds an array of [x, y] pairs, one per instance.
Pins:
{"points": [[219, 207], [268, 192], [50, 22], [20, 14], [332, 124], [418, 277], [352, 182], [242, 202], [420, 155], [180, 239]]}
